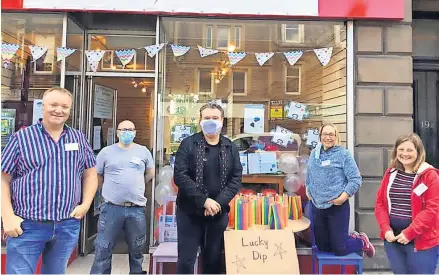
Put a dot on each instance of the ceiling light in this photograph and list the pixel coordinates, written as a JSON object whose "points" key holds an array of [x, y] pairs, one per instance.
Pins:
{"points": [[231, 48], [143, 90]]}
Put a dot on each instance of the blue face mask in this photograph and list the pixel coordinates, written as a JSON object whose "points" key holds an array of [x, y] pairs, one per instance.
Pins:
{"points": [[211, 127], [126, 137]]}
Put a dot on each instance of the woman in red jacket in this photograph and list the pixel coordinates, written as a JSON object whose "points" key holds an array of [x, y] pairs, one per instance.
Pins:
{"points": [[407, 209]]}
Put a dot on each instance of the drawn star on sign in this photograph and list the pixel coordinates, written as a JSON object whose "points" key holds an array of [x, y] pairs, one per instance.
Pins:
{"points": [[239, 263], [279, 250]]}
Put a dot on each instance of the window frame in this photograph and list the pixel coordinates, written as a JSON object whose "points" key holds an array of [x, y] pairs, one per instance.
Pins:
{"points": [[246, 78], [299, 90], [212, 80], [231, 39], [301, 33], [50, 50]]}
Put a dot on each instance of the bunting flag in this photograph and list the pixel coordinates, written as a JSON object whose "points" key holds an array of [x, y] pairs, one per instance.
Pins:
{"points": [[324, 55], [154, 49], [179, 50], [93, 58], [37, 52], [293, 56], [63, 52], [235, 57], [125, 56], [206, 52], [8, 52], [263, 57]]}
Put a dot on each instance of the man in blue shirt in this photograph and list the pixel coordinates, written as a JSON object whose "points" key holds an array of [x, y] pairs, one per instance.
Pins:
{"points": [[49, 181], [124, 168]]}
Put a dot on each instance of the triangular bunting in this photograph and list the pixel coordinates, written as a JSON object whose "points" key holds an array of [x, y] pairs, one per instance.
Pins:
{"points": [[235, 57], [263, 57], [62, 52], [293, 56], [8, 52], [324, 55], [154, 49], [125, 56], [93, 58], [37, 52], [206, 52], [180, 50]]}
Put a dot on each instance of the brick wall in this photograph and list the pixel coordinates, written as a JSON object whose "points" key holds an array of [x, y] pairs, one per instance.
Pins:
{"points": [[383, 110]]}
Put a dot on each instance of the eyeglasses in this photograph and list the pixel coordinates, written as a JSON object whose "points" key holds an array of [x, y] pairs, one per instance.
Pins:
{"points": [[127, 130], [332, 135]]}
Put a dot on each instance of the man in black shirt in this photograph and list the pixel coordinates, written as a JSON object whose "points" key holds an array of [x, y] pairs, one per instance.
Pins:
{"points": [[208, 174]]}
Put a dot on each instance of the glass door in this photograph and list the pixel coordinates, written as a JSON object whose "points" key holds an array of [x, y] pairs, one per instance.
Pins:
{"points": [[100, 130]]}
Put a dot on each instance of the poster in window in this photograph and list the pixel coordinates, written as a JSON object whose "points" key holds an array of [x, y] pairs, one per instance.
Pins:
{"points": [[7, 125], [276, 109], [254, 118], [103, 102]]}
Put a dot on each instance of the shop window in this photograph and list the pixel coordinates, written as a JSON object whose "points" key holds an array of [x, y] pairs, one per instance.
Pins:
{"points": [[205, 80], [292, 80], [239, 82], [259, 101], [293, 33]]}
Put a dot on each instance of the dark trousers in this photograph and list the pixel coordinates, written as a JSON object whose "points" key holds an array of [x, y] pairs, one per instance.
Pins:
{"points": [[114, 219], [205, 232], [405, 260], [331, 230]]}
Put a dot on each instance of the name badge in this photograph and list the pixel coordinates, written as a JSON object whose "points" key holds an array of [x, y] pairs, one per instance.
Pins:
{"points": [[71, 146], [135, 160], [326, 162], [420, 189]]}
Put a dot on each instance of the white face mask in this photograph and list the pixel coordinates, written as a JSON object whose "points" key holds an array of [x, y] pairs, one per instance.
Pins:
{"points": [[211, 126]]}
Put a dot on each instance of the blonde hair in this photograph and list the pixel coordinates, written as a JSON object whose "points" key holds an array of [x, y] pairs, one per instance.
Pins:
{"points": [[419, 146], [337, 136], [58, 89]]}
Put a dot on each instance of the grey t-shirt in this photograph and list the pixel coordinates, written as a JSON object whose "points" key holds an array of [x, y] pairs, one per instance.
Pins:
{"points": [[124, 173]]}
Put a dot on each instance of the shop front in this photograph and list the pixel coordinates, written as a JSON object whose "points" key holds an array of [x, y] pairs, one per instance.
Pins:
{"points": [[280, 70]]}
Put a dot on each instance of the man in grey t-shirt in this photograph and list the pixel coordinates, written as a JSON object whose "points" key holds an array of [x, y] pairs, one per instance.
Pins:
{"points": [[124, 169]]}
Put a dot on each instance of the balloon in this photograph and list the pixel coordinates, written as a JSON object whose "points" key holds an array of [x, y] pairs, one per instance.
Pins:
{"points": [[162, 190], [303, 160], [166, 174], [288, 164], [269, 191], [292, 183]]}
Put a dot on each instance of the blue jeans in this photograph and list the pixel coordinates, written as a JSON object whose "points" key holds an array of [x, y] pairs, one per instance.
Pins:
{"points": [[112, 220], [331, 230], [55, 240], [405, 260]]}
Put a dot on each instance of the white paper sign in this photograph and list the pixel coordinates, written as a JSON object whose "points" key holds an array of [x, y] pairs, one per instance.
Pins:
{"points": [[110, 136], [254, 118], [38, 110], [97, 137], [103, 102]]}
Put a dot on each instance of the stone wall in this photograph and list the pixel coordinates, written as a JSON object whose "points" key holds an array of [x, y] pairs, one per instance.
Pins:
{"points": [[383, 110]]}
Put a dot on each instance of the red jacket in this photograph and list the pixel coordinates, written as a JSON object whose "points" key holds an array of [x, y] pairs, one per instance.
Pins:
{"points": [[424, 229]]}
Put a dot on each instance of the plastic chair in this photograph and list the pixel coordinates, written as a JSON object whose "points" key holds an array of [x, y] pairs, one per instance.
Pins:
{"points": [[328, 258], [167, 251]]}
